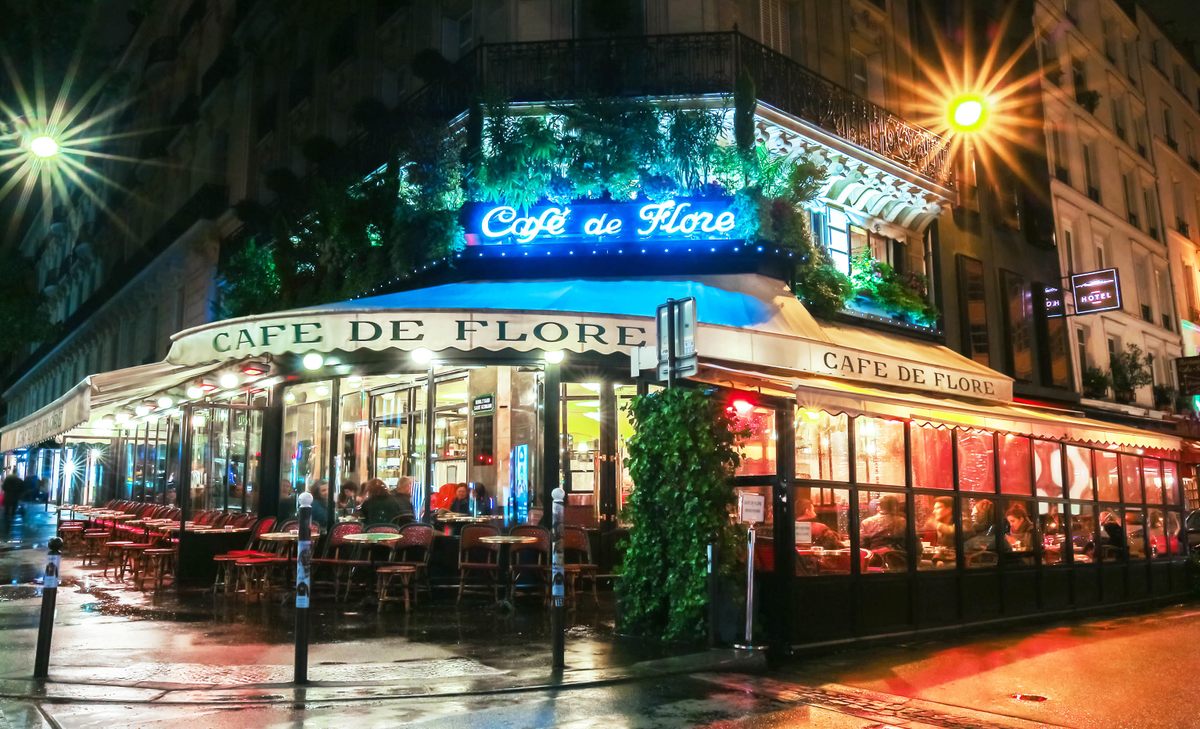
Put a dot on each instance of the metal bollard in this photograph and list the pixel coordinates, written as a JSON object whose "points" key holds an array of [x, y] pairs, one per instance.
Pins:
{"points": [[749, 591], [713, 617], [557, 583], [303, 585], [41, 661]]}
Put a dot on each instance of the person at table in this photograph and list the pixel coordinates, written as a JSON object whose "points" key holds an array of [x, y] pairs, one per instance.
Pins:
{"points": [[403, 496], [462, 500], [1020, 528], [320, 510], [884, 530], [822, 535], [942, 522], [347, 500], [981, 531], [379, 507]]}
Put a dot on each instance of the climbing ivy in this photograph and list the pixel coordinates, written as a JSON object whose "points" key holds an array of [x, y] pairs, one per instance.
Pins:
{"points": [[681, 457]]}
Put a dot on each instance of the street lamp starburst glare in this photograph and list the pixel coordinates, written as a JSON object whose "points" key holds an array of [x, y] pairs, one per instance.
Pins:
{"points": [[43, 146], [967, 113]]}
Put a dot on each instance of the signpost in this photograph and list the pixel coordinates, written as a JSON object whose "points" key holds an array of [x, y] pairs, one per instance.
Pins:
{"points": [[1096, 291], [677, 324]]}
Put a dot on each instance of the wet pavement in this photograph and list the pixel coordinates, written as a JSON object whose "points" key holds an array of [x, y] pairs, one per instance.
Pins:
{"points": [[125, 658]]}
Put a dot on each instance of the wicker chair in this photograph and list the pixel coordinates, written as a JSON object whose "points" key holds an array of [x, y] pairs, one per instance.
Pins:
{"points": [[478, 558]]}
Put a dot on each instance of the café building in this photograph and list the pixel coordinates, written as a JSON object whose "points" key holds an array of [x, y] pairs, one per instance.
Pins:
{"points": [[905, 488]]}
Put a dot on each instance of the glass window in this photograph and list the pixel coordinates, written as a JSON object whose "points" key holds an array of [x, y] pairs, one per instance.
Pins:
{"points": [[976, 461], [822, 446], [973, 300], [1170, 478], [1116, 531], [1083, 532], [932, 466], [1108, 476], [758, 447], [1053, 528], [1048, 468], [1134, 532], [1014, 464], [1158, 535], [880, 451], [1174, 533], [1018, 321], [823, 531], [980, 531], [1131, 479], [306, 421], [936, 531], [1152, 479], [1079, 472], [839, 239], [1020, 537], [883, 530]]}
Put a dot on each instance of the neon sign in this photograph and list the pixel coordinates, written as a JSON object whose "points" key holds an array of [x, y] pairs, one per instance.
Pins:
{"points": [[592, 222], [1096, 291]]}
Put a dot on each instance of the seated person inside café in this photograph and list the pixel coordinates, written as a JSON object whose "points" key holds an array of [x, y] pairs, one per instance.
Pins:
{"points": [[884, 530], [941, 523], [1020, 528], [980, 532], [822, 535], [403, 496], [380, 507], [347, 499], [320, 494]]}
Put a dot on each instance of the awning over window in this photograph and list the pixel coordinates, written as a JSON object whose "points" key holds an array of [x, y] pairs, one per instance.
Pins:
{"points": [[97, 395]]}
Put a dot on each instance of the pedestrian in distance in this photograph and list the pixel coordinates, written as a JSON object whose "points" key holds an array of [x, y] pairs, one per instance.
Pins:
{"points": [[13, 487]]}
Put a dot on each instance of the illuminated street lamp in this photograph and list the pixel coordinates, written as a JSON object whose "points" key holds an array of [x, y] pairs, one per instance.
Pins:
{"points": [[967, 113], [43, 146]]}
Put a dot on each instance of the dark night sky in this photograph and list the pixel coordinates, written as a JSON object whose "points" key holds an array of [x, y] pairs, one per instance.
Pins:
{"points": [[1180, 20]]}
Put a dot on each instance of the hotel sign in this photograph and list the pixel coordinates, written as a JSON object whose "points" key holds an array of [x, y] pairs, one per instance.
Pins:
{"points": [[1096, 291], [591, 222]]}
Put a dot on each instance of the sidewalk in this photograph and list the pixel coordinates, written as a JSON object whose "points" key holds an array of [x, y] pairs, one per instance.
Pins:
{"points": [[116, 644]]}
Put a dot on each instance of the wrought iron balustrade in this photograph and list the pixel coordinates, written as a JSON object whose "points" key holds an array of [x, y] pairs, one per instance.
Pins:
{"points": [[685, 64]]}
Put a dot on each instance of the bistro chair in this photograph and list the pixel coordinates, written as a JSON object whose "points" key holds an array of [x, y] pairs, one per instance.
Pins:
{"points": [[529, 559], [93, 546], [339, 554], [578, 564], [410, 561], [254, 548], [113, 557], [158, 562], [478, 558]]}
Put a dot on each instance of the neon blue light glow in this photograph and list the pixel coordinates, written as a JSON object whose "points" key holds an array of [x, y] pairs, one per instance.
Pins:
{"points": [[589, 221]]}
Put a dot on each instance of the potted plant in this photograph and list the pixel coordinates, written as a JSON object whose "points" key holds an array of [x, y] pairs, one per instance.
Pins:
{"points": [[1130, 370], [902, 295], [1096, 383], [1165, 397]]}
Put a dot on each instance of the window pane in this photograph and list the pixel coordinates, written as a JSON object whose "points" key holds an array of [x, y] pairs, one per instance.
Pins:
{"points": [[823, 531], [1135, 533], [1170, 479], [1079, 472], [880, 455], [1116, 532], [979, 532], [1152, 479], [838, 219], [882, 530], [1048, 468], [1052, 527], [974, 306], [1131, 479], [757, 448], [1020, 537], [1108, 476], [1171, 525], [822, 446], [936, 530], [1159, 536], [976, 464], [1014, 464], [1083, 531], [931, 457]]}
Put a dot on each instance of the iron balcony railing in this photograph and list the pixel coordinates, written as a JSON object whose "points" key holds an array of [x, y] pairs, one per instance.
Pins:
{"points": [[680, 65]]}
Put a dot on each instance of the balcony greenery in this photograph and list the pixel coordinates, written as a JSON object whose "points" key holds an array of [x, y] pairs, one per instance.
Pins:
{"points": [[902, 295]]}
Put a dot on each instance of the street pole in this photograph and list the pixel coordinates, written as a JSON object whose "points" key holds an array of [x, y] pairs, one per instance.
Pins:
{"points": [[557, 584], [749, 590], [41, 661], [303, 585]]}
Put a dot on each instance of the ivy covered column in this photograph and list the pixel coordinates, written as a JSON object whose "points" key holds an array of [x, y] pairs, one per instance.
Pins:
{"points": [[781, 599]]}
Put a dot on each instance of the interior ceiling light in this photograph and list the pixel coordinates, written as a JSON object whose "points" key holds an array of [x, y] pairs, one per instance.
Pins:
{"points": [[313, 361], [229, 381]]}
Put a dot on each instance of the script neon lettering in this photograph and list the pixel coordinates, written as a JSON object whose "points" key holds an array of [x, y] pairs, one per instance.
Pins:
{"points": [[673, 218], [503, 221]]}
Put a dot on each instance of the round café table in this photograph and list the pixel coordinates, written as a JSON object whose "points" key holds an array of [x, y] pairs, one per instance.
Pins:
{"points": [[372, 539], [504, 604]]}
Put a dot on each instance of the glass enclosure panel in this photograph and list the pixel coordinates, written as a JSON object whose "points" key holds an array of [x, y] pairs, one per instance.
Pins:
{"points": [[393, 441], [203, 479], [822, 445], [583, 459], [1134, 533], [354, 438], [981, 529], [1172, 522], [1157, 534], [450, 433], [1115, 525], [1152, 480], [625, 394], [883, 530], [757, 448], [823, 532], [1131, 479], [1083, 532], [932, 454], [976, 461], [1048, 468], [307, 411], [1020, 536], [936, 531], [1053, 528], [880, 457], [1014, 464], [1108, 476], [1079, 472], [1170, 478]]}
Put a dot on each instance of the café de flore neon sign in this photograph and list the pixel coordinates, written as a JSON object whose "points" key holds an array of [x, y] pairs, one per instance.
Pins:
{"points": [[602, 222]]}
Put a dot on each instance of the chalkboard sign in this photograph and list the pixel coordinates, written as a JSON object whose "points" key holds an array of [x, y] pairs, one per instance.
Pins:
{"points": [[1188, 370]]}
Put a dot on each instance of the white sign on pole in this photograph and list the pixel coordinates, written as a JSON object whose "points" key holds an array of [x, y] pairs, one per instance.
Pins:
{"points": [[752, 508]]}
